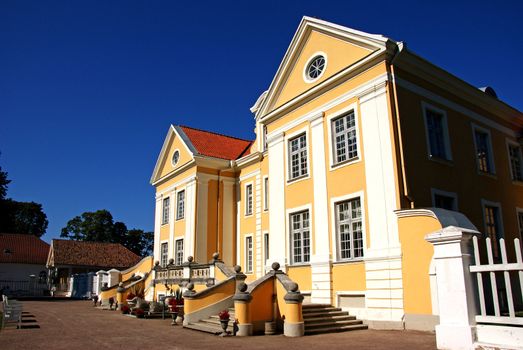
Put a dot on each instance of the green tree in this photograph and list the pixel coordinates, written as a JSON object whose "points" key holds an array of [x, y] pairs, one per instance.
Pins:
{"points": [[3, 184], [99, 226]]}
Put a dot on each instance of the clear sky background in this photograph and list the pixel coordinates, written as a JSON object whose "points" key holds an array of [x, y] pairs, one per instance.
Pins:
{"points": [[88, 89]]}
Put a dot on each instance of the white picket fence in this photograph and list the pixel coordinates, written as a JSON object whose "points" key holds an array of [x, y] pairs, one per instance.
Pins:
{"points": [[489, 270]]}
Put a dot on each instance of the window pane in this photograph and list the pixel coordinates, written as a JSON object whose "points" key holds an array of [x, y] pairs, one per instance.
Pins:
{"points": [[345, 139], [482, 150], [349, 229], [298, 157]]}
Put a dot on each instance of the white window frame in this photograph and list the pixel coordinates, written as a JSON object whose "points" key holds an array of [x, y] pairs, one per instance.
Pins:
{"points": [[178, 216], [305, 76], [266, 248], [446, 138], [172, 157], [519, 211], [511, 143], [166, 242], [177, 251], [166, 210], [288, 138], [475, 128], [266, 193], [334, 231], [288, 239], [246, 211], [246, 253], [332, 144], [487, 203], [437, 192]]}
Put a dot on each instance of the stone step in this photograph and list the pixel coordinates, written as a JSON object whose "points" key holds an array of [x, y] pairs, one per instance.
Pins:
{"points": [[315, 306], [320, 309], [328, 319], [335, 329], [324, 314], [216, 321], [332, 323], [208, 327]]}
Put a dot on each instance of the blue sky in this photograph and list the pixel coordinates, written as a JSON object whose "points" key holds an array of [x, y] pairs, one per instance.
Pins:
{"points": [[88, 89]]}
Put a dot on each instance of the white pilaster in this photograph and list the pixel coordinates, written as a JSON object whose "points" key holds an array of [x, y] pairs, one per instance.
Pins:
{"points": [[258, 236], [190, 219], [157, 225], [277, 222], [227, 253], [383, 257], [321, 259], [172, 218], [456, 294], [200, 250]]}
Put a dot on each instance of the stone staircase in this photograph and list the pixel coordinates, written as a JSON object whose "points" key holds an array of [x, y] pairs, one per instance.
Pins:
{"points": [[212, 324], [328, 319]]}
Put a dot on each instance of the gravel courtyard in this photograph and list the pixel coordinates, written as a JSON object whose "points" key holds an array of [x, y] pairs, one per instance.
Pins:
{"points": [[77, 325]]}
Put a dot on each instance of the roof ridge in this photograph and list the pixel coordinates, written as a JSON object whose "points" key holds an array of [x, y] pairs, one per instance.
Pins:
{"points": [[215, 133], [98, 242]]}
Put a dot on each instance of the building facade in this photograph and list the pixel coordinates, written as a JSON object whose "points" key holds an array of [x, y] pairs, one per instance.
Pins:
{"points": [[353, 131]]}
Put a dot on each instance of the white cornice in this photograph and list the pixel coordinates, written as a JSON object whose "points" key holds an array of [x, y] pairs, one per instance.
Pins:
{"points": [[249, 159], [175, 172]]}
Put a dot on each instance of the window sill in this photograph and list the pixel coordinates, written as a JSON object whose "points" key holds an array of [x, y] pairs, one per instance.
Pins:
{"points": [[443, 161], [181, 219], [247, 215], [305, 264], [298, 179], [349, 261], [164, 224], [490, 175], [345, 163]]}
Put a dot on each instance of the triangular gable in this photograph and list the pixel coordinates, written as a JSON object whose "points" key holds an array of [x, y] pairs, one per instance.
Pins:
{"points": [[176, 140], [344, 48]]}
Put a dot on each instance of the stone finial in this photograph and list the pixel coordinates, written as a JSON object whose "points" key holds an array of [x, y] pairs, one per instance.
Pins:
{"points": [[215, 256], [171, 261], [190, 290], [190, 259], [190, 286], [237, 268], [120, 284], [242, 287], [156, 263], [275, 266]]}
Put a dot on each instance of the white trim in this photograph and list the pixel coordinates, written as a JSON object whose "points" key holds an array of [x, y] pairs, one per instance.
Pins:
{"points": [[452, 105], [248, 175], [174, 249], [361, 90], [485, 203], [168, 200], [446, 139], [305, 76], [490, 149], [190, 223], [172, 157], [245, 236], [175, 185], [178, 190], [453, 195], [293, 135], [518, 145], [245, 214], [164, 241], [237, 192], [332, 148], [266, 262], [288, 213], [334, 233]]}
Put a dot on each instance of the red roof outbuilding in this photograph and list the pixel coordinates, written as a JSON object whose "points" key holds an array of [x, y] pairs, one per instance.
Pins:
{"points": [[19, 248]]}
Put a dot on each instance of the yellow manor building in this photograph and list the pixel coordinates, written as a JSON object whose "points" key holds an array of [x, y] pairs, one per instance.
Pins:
{"points": [[362, 148]]}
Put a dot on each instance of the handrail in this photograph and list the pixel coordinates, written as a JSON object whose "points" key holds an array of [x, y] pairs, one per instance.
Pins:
{"points": [[206, 291]]}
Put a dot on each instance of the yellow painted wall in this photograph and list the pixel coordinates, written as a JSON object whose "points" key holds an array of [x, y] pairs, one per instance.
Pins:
{"points": [[301, 275], [261, 304], [348, 277], [219, 293], [340, 54], [416, 256], [175, 143], [145, 265]]}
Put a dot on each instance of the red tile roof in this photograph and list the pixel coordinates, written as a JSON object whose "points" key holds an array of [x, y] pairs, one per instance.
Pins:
{"points": [[95, 254], [22, 249], [215, 145]]}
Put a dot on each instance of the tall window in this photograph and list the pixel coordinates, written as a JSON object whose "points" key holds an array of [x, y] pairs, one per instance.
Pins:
{"points": [[483, 151], [349, 229], [248, 199], [516, 171], [266, 246], [300, 237], [248, 254], [178, 252], [345, 139], [436, 132], [180, 206], [493, 227], [444, 200], [165, 211], [163, 254], [298, 157], [266, 193]]}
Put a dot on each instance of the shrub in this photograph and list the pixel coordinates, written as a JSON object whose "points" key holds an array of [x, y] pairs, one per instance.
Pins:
{"points": [[224, 315], [125, 309]]}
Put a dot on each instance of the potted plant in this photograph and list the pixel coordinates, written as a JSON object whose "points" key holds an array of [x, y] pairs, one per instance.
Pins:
{"points": [[131, 296], [125, 309], [224, 320], [139, 313], [173, 309]]}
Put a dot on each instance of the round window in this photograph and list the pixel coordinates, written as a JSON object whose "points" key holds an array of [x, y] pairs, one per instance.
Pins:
{"points": [[176, 157], [315, 67]]}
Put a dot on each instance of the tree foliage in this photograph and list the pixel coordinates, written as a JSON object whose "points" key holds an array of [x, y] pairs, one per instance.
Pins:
{"points": [[99, 226], [20, 217]]}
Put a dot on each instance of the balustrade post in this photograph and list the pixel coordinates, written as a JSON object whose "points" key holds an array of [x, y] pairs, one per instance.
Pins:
{"points": [[119, 296], [240, 276], [455, 288], [293, 325], [242, 310], [188, 306]]}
